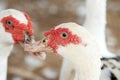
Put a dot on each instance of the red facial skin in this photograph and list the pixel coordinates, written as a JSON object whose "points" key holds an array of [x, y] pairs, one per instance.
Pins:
{"points": [[16, 28], [56, 38]]}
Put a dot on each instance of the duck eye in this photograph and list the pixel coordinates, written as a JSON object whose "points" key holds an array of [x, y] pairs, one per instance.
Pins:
{"points": [[64, 35], [9, 22]]}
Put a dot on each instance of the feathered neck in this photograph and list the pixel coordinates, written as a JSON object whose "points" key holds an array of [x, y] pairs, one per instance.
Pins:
{"points": [[95, 23], [85, 59], [3, 67]]}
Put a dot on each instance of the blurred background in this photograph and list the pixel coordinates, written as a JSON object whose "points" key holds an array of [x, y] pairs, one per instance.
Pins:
{"points": [[46, 14]]}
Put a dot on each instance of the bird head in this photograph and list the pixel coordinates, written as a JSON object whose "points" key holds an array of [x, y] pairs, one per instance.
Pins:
{"points": [[18, 24], [64, 39], [61, 36]]}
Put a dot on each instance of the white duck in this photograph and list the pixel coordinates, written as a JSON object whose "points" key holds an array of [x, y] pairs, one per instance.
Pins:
{"points": [[74, 43], [95, 23], [15, 27]]}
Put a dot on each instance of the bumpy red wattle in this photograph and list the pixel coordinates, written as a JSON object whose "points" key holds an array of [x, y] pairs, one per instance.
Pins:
{"points": [[17, 29], [30, 24], [55, 39]]}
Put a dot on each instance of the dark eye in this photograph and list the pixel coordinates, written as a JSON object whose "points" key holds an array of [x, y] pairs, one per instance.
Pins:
{"points": [[9, 22], [64, 35]]}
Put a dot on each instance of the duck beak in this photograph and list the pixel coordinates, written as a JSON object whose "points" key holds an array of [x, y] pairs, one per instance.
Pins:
{"points": [[28, 40], [39, 48]]}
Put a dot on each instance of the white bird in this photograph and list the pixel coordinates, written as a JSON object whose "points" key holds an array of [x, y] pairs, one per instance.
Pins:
{"points": [[15, 28], [75, 44], [95, 23]]}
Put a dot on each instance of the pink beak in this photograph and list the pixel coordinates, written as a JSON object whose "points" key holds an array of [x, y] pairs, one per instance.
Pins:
{"points": [[38, 48]]}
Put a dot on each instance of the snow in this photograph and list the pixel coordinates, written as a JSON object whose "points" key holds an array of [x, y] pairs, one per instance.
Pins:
{"points": [[33, 61], [49, 73]]}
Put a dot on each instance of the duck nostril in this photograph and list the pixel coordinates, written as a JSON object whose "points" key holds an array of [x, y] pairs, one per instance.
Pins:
{"points": [[44, 41]]}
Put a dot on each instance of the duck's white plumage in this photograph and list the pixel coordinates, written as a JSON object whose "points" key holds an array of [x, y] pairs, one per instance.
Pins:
{"points": [[6, 39], [95, 23]]}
